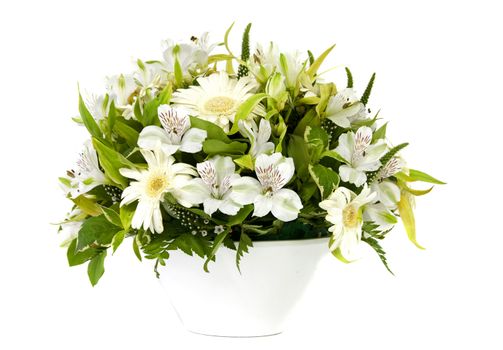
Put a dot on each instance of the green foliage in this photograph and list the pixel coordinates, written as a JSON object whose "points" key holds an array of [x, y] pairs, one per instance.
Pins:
{"points": [[317, 141], [245, 109], [127, 132], [112, 161], [325, 178], [244, 243], [96, 267], [214, 147], [76, 257], [213, 131], [368, 90], [96, 231], [350, 78], [407, 216], [219, 239], [416, 175], [245, 52], [380, 133], [297, 149], [189, 244], [313, 69], [378, 249], [88, 120]]}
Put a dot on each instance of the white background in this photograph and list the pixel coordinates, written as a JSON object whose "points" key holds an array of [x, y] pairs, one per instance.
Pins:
{"points": [[439, 82]]}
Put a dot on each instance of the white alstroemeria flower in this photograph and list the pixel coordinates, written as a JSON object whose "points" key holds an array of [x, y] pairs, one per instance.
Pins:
{"points": [[380, 215], [88, 174], [344, 210], [361, 156], [290, 65], [217, 98], [192, 57], [175, 134], [264, 61], [162, 176], [149, 77], [267, 193], [98, 105], [121, 87], [69, 229], [258, 135], [203, 42], [213, 188], [344, 108]]}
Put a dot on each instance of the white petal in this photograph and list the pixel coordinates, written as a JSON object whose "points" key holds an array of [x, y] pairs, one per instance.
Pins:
{"points": [[192, 141], [152, 137], [346, 146], [348, 174], [194, 192], [286, 205], [245, 190], [157, 220], [229, 207], [211, 205], [262, 205]]}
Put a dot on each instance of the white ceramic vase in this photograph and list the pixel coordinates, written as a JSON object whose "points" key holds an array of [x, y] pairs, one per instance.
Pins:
{"points": [[254, 303]]}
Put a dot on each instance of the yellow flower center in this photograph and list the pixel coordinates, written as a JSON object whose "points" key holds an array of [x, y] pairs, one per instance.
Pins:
{"points": [[350, 216], [220, 105], [156, 185]]}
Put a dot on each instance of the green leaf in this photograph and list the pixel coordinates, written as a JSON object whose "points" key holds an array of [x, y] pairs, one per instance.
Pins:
{"points": [[219, 239], [244, 243], [416, 175], [178, 70], [334, 155], [378, 249], [326, 91], [212, 146], [112, 216], [245, 109], [214, 131], [118, 239], [112, 117], [407, 216], [368, 90], [136, 249], [126, 213], [88, 120], [226, 39], [310, 118], [317, 141], [77, 258], [297, 149], [415, 192], [350, 78], [127, 132], [245, 162], [112, 161], [379, 133], [96, 267], [311, 57], [240, 216], [87, 205], [189, 244], [137, 111], [96, 231], [326, 179], [317, 63]]}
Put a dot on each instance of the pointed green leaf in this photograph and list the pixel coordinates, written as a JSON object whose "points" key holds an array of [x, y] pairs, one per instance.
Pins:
{"points": [[213, 131], [326, 179], [118, 239], [112, 216], [88, 120], [211, 146], [96, 267], [416, 175], [219, 239], [245, 109], [244, 243], [313, 69]]}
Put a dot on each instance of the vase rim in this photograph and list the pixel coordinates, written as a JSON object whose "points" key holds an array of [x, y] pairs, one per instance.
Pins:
{"points": [[289, 242]]}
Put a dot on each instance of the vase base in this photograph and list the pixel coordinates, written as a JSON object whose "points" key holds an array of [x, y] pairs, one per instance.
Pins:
{"points": [[209, 334]]}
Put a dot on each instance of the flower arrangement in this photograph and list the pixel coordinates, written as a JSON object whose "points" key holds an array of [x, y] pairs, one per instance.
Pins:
{"points": [[201, 149]]}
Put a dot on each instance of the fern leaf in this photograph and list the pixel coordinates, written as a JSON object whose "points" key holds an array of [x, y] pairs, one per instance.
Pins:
{"points": [[244, 243], [378, 249]]}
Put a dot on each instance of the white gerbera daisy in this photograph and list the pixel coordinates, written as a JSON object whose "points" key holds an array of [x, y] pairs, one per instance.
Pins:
{"points": [[162, 176], [217, 98], [344, 210]]}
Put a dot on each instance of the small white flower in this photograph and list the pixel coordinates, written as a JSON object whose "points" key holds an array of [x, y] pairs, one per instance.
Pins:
{"points": [[192, 56], [290, 66], [218, 229], [213, 188], [88, 174], [344, 210], [149, 77], [175, 134], [217, 98], [361, 156], [264, 61], [162, 176], [120, 88], [267, 193], [344, 108], [258, 135], [69, 229]]}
